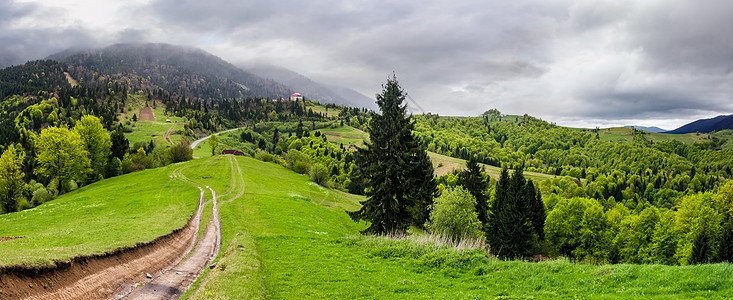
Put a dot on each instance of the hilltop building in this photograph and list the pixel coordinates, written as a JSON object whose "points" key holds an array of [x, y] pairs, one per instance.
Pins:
{"points": [[296, 97]]}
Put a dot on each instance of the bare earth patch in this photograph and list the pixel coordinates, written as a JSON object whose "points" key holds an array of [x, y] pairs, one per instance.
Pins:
{"points": [[146, 114], [7, 238]]}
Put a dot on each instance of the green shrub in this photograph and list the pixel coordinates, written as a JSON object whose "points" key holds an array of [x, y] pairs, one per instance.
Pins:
{"points": [[70, 186], [114, 167], [454, 215], [53, 187], [179, 152], [264, 156], [40, 195], [298, 161], [319, 174], [301, 167]]}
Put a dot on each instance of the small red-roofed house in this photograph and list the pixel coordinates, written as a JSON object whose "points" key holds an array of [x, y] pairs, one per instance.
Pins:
{"points": [[296, 97]]}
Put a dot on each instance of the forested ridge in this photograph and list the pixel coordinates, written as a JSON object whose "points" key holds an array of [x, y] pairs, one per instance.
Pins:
{"points": [[638, 202]]}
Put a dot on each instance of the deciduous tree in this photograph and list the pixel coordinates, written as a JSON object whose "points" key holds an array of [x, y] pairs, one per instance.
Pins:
{"points": [[213, 143], [12, 185], [61, 154], [97, 143], [454, 214]]}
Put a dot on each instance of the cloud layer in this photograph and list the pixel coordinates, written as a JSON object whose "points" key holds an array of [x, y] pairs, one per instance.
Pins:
{"points": [[580, 63]]}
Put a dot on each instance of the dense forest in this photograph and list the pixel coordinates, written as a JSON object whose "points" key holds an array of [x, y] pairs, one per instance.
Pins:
{"points": [[638, 202]]}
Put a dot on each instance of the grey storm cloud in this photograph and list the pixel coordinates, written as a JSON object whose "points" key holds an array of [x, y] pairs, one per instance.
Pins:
{"points": [[578, 62], [18, 45]]}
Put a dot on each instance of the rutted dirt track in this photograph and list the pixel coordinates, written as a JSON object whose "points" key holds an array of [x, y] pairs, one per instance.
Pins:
{"points": [[174, 282], [124, 272], [167, 136], [102, 276]]}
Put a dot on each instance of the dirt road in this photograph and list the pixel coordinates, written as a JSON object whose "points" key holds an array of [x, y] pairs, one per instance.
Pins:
{"points": [[106, 275], [196, 142], [167, 136], [174, 282]]}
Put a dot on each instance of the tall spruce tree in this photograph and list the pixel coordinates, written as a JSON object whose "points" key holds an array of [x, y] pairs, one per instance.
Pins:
{"points": [[536, 209], [474, 180], [725, 250], [398, 174], [511, 234], [496, 233], [701, 251]]}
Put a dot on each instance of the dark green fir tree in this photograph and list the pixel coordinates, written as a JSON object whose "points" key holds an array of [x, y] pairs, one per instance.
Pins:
{"points": [[511, 234], [395, 168], [700, 248], [725, 250]]}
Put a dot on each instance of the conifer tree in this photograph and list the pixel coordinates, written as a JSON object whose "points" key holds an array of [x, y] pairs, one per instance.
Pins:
{"points": [[120, 144], [473, 180], [511, 234], [725, 250], [700, 248], [395, 168], [496, 233], [536, 209]]}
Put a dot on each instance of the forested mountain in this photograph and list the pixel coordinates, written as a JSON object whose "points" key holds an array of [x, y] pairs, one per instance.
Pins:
{"points": [[56, 115], [311, 89], [189, 72], [706, 125]]}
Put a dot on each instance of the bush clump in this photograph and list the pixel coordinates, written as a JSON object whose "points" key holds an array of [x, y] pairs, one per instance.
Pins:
{"points": [[319, 174], [454, 215]]}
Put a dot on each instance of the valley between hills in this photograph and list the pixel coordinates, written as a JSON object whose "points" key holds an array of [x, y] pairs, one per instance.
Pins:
{"points": [[138, 171]]}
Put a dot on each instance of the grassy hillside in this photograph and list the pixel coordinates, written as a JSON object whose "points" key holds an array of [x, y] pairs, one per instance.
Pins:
{"points": [[109, 214], [446, 164], [626, 134], [286, 238], [347, 135]]}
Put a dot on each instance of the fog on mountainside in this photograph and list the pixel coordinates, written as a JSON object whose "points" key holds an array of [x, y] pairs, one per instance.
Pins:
{"points": [[312, 90], [174, 67]]}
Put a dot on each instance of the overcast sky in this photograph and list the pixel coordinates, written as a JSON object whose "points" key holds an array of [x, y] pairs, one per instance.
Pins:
{"points": [[577, 63]]}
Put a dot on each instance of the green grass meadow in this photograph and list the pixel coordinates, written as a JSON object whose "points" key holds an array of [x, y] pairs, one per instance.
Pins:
{"points": [[345, 134], [445, 165], [287, 238], [100, 217]]}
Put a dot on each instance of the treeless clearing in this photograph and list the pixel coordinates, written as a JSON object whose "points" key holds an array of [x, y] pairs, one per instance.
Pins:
{"points": [[70, 79], [146, 114]]}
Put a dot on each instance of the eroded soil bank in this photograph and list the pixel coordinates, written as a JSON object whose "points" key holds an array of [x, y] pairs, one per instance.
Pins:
{"points": [[102, 276]]}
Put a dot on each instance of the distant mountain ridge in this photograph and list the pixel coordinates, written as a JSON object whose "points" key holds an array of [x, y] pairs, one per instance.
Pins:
{"points": [[188, 71], [313, 90], [706, 125], [649, 129]]}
